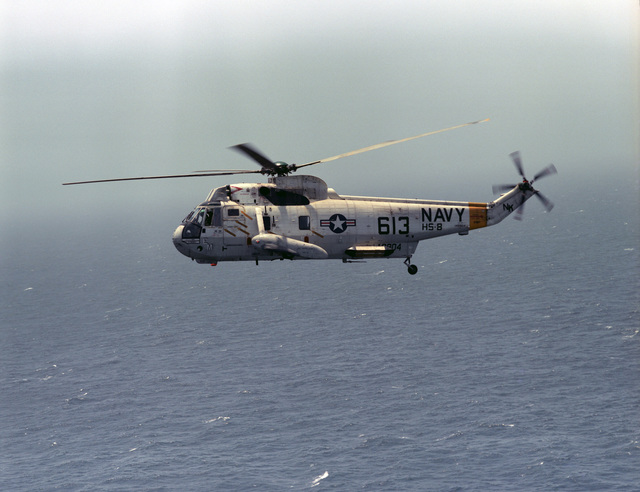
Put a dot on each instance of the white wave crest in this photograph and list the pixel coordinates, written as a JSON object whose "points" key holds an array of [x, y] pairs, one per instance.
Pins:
{"points": [[319, 478]]}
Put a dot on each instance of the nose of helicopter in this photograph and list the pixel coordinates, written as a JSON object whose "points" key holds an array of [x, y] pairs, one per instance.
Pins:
{"points": [[177, 241]]}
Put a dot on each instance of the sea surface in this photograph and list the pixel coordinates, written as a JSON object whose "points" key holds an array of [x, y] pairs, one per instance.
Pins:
{"points": [[509, 362]]}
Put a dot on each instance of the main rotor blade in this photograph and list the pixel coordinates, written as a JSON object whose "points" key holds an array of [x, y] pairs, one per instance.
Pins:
{"points": [[255, 154], [517, 160], [229, 171], [169, 176], [386, 144], [265, 162], [550, 169]]}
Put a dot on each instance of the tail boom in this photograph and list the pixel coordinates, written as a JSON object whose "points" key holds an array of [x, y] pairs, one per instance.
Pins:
{"points": [[508, 203]]}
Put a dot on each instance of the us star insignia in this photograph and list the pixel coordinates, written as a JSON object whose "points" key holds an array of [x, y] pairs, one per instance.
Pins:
{"points": [[338, 223]]}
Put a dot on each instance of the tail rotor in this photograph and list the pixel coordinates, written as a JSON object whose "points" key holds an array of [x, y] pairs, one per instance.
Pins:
{"points": [[527, 185]]}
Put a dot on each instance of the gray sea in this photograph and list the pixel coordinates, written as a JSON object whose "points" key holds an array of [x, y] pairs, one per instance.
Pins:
{"points": [[509, 362]]}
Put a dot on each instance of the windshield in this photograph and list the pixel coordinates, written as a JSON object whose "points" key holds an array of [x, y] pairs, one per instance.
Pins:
{"points": [[196, 216]]}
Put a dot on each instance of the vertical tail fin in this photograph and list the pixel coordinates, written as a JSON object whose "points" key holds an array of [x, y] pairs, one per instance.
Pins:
{"points": [[508, 203]]}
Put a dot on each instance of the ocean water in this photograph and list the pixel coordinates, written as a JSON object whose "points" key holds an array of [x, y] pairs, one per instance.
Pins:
{"points": [[509, 362]]}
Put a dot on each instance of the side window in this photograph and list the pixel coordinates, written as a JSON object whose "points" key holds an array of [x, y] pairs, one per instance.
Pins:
{"points": [[304, 222], [213, 217], [234, 212], [217, 217]]}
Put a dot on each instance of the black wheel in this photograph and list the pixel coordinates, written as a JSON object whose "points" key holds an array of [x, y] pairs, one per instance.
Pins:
{"points": [[412, 269]]}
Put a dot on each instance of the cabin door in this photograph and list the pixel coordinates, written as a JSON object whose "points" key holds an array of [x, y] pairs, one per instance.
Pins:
{"points": [[236, 230]]}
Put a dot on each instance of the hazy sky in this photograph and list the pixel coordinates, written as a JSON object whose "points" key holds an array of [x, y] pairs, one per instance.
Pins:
{"points": [[94, 89], [120, 24]]}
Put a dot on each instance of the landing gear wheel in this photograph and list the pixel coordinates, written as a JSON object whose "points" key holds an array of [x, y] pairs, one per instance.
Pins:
{"points": [[412, 269]]}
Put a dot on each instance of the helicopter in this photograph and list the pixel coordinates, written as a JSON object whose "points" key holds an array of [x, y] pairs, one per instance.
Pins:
{"points": [[299, 217]]}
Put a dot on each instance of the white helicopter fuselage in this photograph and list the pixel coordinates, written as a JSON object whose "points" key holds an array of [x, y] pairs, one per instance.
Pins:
{"points": [[299, 217]]}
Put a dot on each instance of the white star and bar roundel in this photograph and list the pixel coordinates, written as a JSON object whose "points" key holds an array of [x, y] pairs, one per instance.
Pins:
{"points": [[338, 223]]}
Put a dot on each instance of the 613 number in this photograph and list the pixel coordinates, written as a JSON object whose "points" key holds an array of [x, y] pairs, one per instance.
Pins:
{"points": [[391, 225]]}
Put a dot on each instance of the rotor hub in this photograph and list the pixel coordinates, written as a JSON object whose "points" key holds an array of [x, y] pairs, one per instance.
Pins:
{"points": [[283, 169], [525, 186]]}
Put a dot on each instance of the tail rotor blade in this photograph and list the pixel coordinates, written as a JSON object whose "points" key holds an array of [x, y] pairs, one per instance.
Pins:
{"points": [[525, 186], [548, 204], [517, 160], [502, 188], [547, 171]]}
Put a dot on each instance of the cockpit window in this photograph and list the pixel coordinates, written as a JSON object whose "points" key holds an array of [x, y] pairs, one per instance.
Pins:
{"points": [[193, 216], [200, 217]]}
